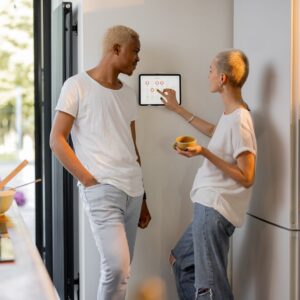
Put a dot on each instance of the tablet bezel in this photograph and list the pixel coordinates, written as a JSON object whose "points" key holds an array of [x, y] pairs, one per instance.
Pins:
{"points": [[158, 74]]}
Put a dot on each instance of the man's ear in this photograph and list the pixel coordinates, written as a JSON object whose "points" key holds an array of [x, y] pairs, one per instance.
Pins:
{"points": [[116, 49]]}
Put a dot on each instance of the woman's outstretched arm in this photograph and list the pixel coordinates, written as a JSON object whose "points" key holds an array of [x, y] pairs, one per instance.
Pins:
{"points": [[170, 102]]}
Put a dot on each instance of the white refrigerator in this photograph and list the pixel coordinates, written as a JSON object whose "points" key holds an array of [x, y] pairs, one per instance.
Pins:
{"points": [[265, 252]]}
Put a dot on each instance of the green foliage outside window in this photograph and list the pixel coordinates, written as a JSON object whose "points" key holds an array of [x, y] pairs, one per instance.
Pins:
{"points": [[16, 64]]}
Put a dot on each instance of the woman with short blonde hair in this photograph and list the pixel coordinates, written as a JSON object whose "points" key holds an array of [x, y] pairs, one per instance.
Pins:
{"points": [[222, 187]]}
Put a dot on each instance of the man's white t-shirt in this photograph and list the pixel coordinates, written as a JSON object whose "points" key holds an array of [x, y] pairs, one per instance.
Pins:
{"points": [[233, 135], [101, 132]]}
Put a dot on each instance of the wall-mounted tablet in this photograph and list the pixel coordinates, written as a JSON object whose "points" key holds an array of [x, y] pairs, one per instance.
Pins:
{"points": [[149, 83]]}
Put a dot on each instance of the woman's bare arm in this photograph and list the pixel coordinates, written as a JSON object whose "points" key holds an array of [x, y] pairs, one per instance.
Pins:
{"points": [[170, 102]]}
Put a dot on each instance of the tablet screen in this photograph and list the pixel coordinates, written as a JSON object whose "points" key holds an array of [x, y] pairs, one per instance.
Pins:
{"points": [[149, 83]]}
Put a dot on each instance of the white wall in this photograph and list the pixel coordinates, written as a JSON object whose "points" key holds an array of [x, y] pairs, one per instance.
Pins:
{"points": [[176, 37]]}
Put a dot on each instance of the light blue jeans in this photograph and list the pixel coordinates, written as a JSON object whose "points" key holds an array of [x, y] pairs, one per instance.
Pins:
{"points": [[113, 217], [201, 257]]}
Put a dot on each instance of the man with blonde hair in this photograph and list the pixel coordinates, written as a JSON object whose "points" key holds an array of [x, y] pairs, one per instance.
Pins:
{"points": [[100, 111]]}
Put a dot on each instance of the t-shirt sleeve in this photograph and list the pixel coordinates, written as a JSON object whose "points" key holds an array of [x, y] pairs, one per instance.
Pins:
{"points": [[68, 101], [243, 137]]}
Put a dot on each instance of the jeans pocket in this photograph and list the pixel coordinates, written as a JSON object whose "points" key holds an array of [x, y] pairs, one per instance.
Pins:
{"points": [[91, 187], [90, 195], [228, 227]]}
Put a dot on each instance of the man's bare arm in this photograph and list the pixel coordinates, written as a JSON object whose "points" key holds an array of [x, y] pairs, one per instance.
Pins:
{"points": [[132, 127], [145, 216], [60, 131]]}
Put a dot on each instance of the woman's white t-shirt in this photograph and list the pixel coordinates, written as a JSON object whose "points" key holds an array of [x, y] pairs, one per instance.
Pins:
{"points": [[101, 132], [233, 135]]}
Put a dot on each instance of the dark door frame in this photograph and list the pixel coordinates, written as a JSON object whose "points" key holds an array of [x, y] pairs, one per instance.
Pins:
{"points": [[42, 105], [45, 212]]}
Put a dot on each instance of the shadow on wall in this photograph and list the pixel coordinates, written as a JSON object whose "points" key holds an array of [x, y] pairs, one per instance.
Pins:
{"points": [[266, 188], [257, 261], [268, 182]]}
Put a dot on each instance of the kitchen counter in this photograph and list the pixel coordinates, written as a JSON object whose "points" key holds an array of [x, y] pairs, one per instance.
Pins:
{"points": [[26, 277]]}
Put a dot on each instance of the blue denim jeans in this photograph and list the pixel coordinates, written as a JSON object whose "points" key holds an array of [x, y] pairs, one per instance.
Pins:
{"points": [[201, 257], [113, 217]]}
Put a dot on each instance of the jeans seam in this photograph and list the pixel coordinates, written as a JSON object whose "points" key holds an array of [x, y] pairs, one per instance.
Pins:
{"points": [[87, 204], [207, 254], [89, 207]]}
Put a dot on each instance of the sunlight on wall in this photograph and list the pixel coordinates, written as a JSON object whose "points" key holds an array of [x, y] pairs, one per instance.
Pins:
{"points": [[296, 57], [105, 4]]}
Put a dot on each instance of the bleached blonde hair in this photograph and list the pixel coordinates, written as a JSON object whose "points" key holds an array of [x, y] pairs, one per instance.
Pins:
{"points": [[235, 65], [118, 34]]}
